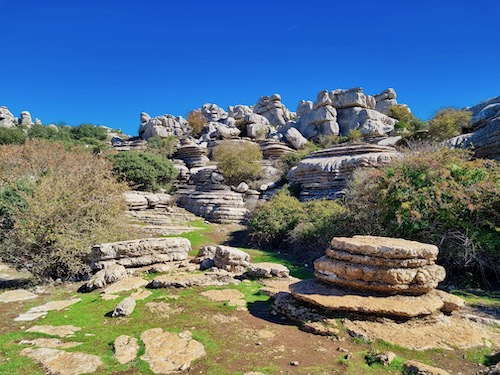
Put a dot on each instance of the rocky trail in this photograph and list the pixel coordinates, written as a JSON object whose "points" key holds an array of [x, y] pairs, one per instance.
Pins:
{"points": [[221, 318]]}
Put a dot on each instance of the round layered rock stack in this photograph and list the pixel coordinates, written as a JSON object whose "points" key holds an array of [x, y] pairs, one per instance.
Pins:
{"points": [[381, 264]]}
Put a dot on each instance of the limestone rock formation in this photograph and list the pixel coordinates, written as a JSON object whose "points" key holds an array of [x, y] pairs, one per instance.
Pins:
{"points": [[273, 109], [257, 126], [295, 138], [126, 348], [272, 149], [125, 307], [380, 264], [239, 111], [25, 119], [7, 119], [231, 259], [139, 200], [324, 173], [266, 270], [368, 121], [61, 362], [213, 113], [319, 120], [385, 100], [162, 126], [352, 98], [137, 253], [106, 276], [192, 154]]}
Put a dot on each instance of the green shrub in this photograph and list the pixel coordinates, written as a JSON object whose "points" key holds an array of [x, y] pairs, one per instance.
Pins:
{"points": [[144, 171], [437, 196], [326, 141], [54, 204], [162, 146], [196, 122], [401, 113], [448, 123], [272, 222], [85, 131], [12, 136], [238, 161], [291, 159]]}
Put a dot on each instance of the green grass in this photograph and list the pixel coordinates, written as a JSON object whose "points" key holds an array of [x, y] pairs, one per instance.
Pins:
{"points": [[197, 237], [479, 298]]}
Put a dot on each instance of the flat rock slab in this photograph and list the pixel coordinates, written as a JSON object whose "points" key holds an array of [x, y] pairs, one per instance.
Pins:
{"points": [[385, 247], [126, 348], [168, 352], [274, 286], [125, 285], [16, 295], [331, 298], [419, 368], [189, 280], [231, 296], [60, 362], [61, 331], [140, 294], [40, 311], [446, 332], [162, 308], [49, 343]]}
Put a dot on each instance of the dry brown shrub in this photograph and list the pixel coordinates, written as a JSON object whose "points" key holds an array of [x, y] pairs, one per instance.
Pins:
{"points": [[74, 202], [196, 121]]}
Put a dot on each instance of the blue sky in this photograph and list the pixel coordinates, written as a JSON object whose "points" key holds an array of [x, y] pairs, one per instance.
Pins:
{"points": [[105, 61]]}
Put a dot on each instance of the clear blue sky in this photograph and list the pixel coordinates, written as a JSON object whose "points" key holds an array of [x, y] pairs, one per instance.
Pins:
{"points": [[106, 61]]}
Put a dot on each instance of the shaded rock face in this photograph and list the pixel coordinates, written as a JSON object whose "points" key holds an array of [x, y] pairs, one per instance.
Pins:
{"points": [[139, 253], [380, 264], [25, 119], [319, 120], [239, 111], [324, 173], [7, 119], [368, 121], [162, 126]]}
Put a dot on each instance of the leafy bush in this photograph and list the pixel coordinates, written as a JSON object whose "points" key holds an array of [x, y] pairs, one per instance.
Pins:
{"points": [[238, 161], [291, 159], [12, 136], [54, 204], [162, 146], [143, 170], [272, 222], [196, 122], [407, 124], [437, 196], [85, 131], [448, 123], [326, 141]]}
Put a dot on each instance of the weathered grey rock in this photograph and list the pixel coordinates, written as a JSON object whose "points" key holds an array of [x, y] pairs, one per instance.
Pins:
{"points": [[61, 331], [25, 119], [213, 113], [257, 126], [231, 259], [126, 349], [380, 264], [168, 352], [266, 270], [6, 118], [242, 187], [303, 107], [38, 121], [385, 100], [419, 368], [272, 149], [295, 138], [61, 362], [140, 200], [324, 173], [138, 253], [321, 119], [50, 343], [192, 154], [41, 311], [124, 285], [188, 280], [135, 201], [125, 307], [271, 108], [368, 121], [16, 295], [351, 98], [205, 252], [162, 126], [106, 276], [239, 111]]}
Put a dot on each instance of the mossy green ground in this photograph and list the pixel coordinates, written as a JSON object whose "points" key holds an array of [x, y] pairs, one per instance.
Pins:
{"points": [[228, 350]]}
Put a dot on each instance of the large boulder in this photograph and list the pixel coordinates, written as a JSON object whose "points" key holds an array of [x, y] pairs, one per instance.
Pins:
{"points": [[295, 138], [162, 126], [25, 119], [321, 119], [7, 119], [239, 111], [351, 98], [257, 126], [385, 100], [231, 259], [213, 113], [138, 253], [273, 109], [368, 121]]}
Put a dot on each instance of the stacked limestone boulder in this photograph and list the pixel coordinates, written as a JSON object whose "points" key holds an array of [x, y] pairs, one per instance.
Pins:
{"points": [[385, 100], [318, 119], [162, 126], [324, 173], [140, 200], [383, 265], [273, 109]]}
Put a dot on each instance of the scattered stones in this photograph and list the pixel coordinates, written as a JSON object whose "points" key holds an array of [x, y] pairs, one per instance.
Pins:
{"points": [[49, 343], [60, 362], [126, 348], [16, 295], [125, 307], [162, 308], [138, 253], [168, 352], [41, 311], [419, 368], [324, 173], [267, 270], [61, 331]]}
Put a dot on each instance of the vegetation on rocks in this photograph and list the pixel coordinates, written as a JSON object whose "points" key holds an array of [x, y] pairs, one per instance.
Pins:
{"points": [[162, 146], [143, 170], [54, 204], [448, 123], [238, 161]]}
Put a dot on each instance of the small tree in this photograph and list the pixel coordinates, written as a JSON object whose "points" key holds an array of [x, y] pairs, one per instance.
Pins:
{"points": [[196, 121], [238, 161], [143, 170], [448, 123]]}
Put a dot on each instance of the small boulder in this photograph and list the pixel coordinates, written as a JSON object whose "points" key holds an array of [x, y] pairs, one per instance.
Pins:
{"points": [[126, 348], [419, 368], [266, 270], [125, 307]]}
